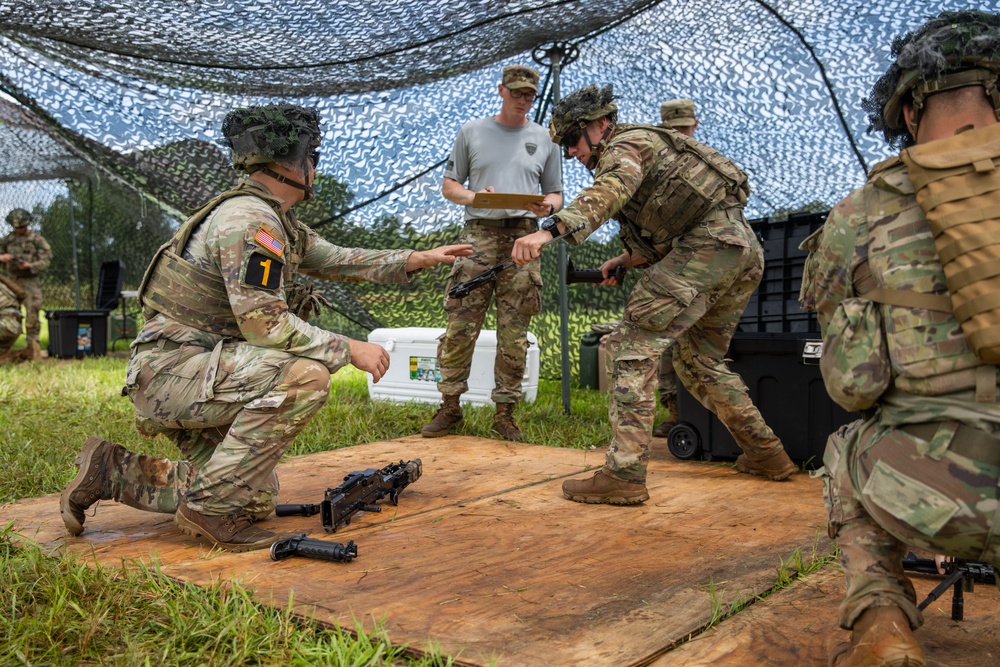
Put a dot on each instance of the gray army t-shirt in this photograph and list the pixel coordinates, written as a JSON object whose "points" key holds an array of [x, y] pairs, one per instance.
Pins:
{"points": [[511, 159]]}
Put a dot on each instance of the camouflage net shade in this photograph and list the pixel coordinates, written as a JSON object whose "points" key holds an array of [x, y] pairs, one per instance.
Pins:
{"points": [[110, 114]]}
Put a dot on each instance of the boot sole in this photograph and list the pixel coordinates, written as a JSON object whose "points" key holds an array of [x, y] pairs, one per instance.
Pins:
{"points": [[606, 500], [83, 461], [192, 529], [435, 434], [784, 474]]}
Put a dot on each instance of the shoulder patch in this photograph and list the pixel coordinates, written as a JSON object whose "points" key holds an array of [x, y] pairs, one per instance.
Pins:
{"points": [[262, 271], [267, 240]]}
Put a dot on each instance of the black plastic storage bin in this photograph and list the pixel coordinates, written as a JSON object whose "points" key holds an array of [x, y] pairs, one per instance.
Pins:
{"points": [[782, 373], [77, 333]]}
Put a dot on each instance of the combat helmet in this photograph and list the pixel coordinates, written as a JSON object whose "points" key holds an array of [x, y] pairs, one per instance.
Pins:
{"points": [[952, 50], [279, 133], [19, 217], [572, 113]]}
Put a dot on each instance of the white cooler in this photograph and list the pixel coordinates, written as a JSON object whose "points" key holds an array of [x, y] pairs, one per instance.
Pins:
{"points": [[413, 371]]}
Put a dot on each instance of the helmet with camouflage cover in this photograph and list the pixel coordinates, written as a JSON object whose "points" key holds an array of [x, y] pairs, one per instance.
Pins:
{"points": [[572, 114], [19, 217], [952, 50], [271, 133]]}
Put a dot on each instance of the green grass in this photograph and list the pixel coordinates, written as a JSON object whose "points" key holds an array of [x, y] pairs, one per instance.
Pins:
{"points": [[56, 610]]}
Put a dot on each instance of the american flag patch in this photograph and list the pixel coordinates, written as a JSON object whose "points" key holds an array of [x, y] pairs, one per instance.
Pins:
{"points": [[269, 242]]}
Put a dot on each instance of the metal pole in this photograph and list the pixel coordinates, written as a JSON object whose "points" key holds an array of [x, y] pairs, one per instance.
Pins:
{"points": [[72, 236]]}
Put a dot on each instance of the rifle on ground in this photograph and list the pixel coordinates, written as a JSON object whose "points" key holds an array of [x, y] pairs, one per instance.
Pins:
{"points": [[359, 493], [462, 289], [591, 275], [963, 575], [310, 548]]}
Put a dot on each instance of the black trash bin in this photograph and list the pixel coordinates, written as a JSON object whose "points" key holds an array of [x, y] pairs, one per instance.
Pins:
{"points": [[77, 333]]}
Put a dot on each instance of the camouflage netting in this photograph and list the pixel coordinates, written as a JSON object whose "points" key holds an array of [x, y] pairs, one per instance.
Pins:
{"points": [[110, 114]]}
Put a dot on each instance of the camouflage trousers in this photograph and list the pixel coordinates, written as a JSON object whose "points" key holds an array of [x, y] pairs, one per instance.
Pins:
{"points": [[666, 380], [517, 293], [32, 306], [930, 486], [10, 327], [692, 300], [232, 412]]}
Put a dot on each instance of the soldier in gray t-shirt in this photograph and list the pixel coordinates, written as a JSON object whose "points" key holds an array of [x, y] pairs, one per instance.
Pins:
{"points": [[502, 153]]}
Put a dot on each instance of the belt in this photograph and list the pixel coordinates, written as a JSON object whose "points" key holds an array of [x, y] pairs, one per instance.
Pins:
{"points": [[160, 344], [967, 441], [528, 224]]}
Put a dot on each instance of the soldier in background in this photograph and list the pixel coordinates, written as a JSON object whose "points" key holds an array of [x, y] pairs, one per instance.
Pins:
{"points": [[921, 468], [11, 297], [677, 115], [501, 153], [222, 366], [26, 255], [680, 208]]}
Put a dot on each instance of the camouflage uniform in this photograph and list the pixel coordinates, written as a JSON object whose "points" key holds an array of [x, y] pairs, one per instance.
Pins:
{"points": [[921, 468], [10, 315], [694, 290], [221, 366], [34, 250]]}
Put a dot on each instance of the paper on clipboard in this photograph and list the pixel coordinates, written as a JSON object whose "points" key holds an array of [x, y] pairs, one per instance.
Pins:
{"points": [[507, 200]]}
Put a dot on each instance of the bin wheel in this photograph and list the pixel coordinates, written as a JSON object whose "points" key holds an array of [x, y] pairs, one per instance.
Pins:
{"points": [[684, 441]]}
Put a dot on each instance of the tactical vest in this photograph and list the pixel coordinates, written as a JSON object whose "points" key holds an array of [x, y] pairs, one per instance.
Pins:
{"points": [[958, 187], [928, 352], [198, 298], [689, 179]]}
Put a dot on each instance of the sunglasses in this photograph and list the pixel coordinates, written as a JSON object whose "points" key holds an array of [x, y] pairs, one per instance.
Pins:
{"points": [[314, 157], [570, 140], [520, 93]]}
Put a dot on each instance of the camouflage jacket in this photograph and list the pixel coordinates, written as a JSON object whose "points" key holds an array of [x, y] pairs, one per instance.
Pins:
{"points": [[646, 179], [8, 299], [248, 248], [31, 248], [878, 237]]}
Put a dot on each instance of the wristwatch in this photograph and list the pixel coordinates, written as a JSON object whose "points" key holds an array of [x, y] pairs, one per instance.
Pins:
{"points": [[550, 226]]}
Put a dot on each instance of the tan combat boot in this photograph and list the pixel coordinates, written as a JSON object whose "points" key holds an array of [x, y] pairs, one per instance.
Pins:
{"points": [[604, 487], [449, 414], [776, 466], [504, 424], [95, 480], [662, 429], [33, 352], [881, 637], [232, 532]]}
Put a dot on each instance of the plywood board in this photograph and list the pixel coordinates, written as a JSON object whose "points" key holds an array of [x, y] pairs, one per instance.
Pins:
{"points": [[484, 558]]}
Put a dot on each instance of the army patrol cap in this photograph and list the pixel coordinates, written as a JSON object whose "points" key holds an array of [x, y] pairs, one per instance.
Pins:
{"points": [[18, 218], [677, 113], [519, 76], [952, 50], [259, 135]]}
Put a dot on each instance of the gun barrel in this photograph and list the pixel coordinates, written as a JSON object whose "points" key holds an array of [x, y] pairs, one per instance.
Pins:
{"points": [[294, 509]]}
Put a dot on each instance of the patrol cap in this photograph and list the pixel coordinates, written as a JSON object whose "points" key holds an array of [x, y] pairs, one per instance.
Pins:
{"points": [[677, 113], [519, 76], [18, 217]]}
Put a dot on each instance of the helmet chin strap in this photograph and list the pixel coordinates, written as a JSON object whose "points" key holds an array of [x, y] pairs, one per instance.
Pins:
{"points": [[307, 189], [592, 160]]}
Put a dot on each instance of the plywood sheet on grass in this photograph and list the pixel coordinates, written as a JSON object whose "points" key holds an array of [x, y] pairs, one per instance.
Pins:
{"points": [[485, 559]]}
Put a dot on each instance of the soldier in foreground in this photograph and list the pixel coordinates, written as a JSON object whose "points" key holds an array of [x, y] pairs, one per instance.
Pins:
{"points": [[26, 255], [680, 207], [222, 366], [921, 467], [502, 153]]}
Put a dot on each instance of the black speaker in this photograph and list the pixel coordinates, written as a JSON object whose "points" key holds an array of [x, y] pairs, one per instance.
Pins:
{"points": [[109, 284]]}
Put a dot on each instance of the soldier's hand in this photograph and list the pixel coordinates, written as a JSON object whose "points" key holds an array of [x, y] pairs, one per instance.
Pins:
{"points": [[447, 254], [529, 248], [6, 257], [608, 269], [370, 357]]}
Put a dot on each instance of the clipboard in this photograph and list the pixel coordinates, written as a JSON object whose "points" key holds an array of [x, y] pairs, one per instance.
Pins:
{"points": [[507, 200]]}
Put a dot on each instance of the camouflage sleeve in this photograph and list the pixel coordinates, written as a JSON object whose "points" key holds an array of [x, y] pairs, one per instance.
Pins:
{"points": [[43, 254], [617, 178], [252, 267], [835, 249], [331, 262]]}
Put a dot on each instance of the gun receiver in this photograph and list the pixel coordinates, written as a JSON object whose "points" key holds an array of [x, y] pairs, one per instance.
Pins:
{"points": [[962, 575], [463, 289], [310, 548], [591, 275], [358, 493]]}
